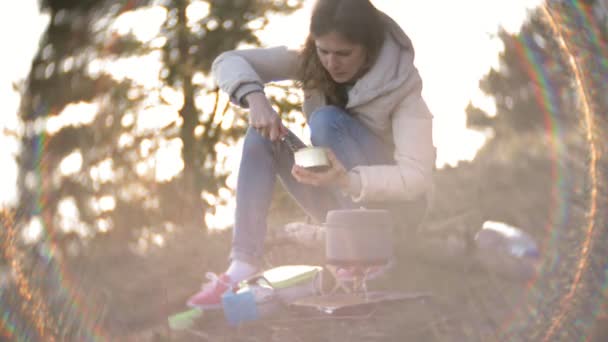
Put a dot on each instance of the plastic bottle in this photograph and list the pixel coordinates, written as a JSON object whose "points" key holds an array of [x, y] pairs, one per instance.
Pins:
{"points": [[507, 250]]}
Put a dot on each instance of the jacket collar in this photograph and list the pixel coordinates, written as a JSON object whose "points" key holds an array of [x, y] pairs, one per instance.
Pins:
{"points": [[392, 68]]}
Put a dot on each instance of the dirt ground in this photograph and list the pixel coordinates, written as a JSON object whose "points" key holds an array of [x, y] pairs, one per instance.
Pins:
{"points": [[518, 184]]}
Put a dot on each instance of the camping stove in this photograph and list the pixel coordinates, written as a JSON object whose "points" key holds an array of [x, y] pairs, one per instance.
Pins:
{"points": [[357, 242]]}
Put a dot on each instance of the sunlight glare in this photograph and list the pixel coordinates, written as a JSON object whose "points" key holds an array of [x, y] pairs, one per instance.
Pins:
{"points": [[67, 207], [145, 147], [9, 171], [76, 114], [71, 164], [158, 240], [205, 81], [225, 194], [125, 140], [221, 148], [209, 198], [485, 103], [154, 118], [257, 24], [206, 102], [196, 11], [22, 26], [142, 168], [212, 24], [170, 227], [107, 203], [143, 70], [228, 120], [199, 131], [127, 120], [33, 230], [222, 218], [69, 217], [473, 47], [169, 160], [144, 23], [104, 225], [172, 96]]}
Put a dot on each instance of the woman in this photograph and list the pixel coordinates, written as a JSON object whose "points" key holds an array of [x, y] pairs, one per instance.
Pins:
{"points": [[362, 100]]}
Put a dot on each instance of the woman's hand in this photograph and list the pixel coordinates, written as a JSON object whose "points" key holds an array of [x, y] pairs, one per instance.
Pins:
{"points": [[335, 175], [263, 118]]}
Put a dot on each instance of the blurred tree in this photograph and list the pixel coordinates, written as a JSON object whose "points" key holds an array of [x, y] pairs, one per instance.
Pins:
{"points": [[585, 32], [535, 86], [534, 81], [190, 48], [65, 72], [528, 84], [91, 143]]}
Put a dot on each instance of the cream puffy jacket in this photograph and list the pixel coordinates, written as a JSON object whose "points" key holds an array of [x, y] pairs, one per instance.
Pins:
{"points": [[387, 99]]}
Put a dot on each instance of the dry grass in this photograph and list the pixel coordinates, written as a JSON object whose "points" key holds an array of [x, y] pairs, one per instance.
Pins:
{"points": [[522, 182], [514, 182]]}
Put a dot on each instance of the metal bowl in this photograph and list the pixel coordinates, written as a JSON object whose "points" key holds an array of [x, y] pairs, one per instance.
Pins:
{"points": [[313, 158]]}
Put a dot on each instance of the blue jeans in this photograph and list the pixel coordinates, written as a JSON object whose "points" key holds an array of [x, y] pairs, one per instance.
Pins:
{"points": [[262, 161]]}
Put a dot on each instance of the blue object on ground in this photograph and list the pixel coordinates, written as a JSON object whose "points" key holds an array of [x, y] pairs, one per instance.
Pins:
{"points": [[239, 307], [507, 250], [501, 236]]}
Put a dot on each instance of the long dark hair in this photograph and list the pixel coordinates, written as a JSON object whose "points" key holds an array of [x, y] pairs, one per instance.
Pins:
{"points": [[358, 21]]}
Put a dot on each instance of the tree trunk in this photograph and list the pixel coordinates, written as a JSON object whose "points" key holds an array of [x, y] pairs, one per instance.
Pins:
{"points": [[192, 186]]}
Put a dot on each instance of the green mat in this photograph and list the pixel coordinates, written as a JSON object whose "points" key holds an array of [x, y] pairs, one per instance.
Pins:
{"points": [[287, 276], [185, 319]]}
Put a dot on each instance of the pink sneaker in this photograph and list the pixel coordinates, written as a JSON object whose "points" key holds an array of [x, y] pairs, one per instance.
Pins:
{"points": [[210, 296]]}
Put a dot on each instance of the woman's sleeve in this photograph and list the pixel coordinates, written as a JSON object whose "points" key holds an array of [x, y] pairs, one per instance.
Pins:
{"points": [[414, 155], [240, 72]]}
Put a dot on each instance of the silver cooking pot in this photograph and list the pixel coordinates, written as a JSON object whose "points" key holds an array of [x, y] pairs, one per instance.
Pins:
{"points": [[358, 237]]}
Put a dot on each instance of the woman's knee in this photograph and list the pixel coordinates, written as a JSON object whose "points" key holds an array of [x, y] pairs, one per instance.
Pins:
{"points": [[324, 124], [254, 142]]}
